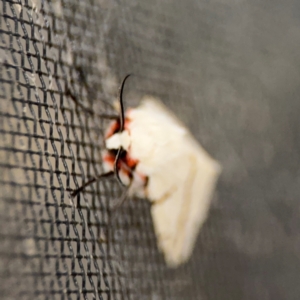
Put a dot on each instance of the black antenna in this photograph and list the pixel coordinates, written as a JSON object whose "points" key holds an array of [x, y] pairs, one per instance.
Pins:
{"points": [[122, 117], [122, 122]]}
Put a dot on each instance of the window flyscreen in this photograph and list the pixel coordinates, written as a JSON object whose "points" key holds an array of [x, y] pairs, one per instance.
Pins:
{"points": [[228, 69]]}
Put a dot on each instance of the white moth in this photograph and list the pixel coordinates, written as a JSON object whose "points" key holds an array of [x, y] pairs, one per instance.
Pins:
{"points": [[164, 163]]}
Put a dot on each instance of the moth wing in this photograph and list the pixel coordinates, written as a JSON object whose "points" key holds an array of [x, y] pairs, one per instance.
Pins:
{"points": [[181, 177], [181, 211]]}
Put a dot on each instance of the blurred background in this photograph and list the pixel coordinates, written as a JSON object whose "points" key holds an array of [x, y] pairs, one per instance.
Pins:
{"points": [[230, 70]]}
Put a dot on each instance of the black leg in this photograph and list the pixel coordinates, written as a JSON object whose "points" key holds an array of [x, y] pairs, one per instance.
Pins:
{"points": [[116, 171], [121, 200], [92, 180]]}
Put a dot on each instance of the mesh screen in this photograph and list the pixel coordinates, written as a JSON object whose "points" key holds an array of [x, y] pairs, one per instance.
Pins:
{"points": [[228, 69]]}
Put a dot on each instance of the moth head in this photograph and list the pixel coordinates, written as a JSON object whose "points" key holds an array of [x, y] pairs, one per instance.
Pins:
{"points": [[118, 140]]}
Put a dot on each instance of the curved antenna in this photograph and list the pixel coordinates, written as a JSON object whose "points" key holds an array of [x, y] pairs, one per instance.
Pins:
{"points": [[122, 122], [122, 116]]}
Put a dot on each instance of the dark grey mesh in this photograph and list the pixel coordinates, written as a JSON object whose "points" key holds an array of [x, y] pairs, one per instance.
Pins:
{"points": [[230, 69]]}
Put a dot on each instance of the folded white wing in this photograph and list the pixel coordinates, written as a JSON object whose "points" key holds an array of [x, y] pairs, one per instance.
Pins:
{"points": [[182, 177]]}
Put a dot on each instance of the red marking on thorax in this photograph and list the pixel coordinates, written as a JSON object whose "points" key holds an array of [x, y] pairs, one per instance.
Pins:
{"points": [[109, 158], [130, 162], [126, 163], [115, 127], [126, 124]]}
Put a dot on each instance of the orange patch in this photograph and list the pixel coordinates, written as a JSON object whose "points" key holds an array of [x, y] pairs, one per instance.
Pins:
{"points": [[130, 162], [109, 158], [113, 128], [126, 124]]}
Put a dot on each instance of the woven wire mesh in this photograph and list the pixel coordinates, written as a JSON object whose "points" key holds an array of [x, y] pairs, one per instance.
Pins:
{"points": [[224, 68]]}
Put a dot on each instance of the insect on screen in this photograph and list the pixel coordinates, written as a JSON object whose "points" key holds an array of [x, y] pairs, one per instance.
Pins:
{"points": [[223, 67]]}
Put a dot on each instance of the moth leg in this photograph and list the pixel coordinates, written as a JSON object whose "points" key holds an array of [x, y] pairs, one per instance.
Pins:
{"points": [[116, 162], [92, 180], [121, 200]]}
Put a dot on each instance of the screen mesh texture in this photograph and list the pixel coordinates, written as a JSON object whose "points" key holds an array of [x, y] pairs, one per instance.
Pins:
{"points": [[228, 69]]}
